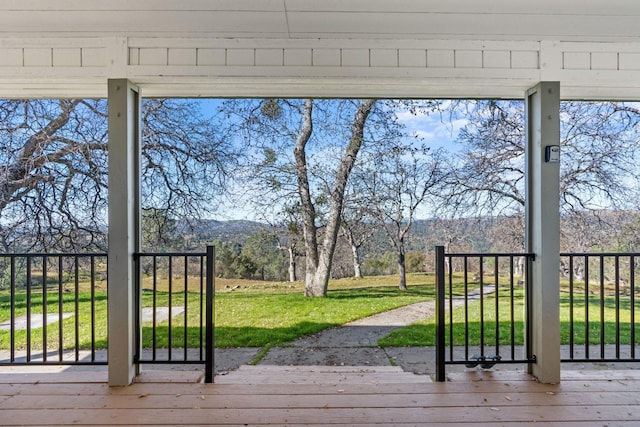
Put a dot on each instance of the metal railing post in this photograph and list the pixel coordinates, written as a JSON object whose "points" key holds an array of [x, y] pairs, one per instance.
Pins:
{"points": [[529, 307], [440, 318], [209, 349]]}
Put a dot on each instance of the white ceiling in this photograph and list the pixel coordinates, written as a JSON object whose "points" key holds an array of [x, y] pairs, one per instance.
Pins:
{"points": [[566, 20]]}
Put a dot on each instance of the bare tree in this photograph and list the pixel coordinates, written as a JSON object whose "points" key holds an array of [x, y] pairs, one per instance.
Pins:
{"points": [[598, 157], [53, 178], [397, 180], [53, 174], [357, 229], [289, 220], [304, 150]]}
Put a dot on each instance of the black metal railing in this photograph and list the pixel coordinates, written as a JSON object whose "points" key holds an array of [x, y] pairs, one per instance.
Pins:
{"points": [[53, 308], [175, 318], [483, 309], [598, 307]]}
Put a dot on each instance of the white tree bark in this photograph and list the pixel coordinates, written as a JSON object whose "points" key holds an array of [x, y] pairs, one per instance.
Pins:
{"points": [[292, 263]]}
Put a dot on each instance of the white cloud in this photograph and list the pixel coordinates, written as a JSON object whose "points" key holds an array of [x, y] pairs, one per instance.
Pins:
{"points": [[433, 128]]}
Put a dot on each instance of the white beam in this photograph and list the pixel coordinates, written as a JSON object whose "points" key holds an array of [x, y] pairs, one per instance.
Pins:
{"points": [[543, 227], [124, 227]]}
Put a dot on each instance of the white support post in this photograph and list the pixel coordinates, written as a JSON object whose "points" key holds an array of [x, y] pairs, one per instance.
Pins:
{"points": [[543, 226], [124, 227]]}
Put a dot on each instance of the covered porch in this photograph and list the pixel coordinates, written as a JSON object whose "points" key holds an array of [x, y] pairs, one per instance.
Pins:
{"points": [[299, 48]]}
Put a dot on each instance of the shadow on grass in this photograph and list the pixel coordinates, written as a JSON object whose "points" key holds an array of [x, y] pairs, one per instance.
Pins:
{"points": [[227, 337], [426, 291]]}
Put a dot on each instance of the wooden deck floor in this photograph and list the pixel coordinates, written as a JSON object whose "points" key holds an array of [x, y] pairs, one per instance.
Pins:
{"points": [[321, 396]]}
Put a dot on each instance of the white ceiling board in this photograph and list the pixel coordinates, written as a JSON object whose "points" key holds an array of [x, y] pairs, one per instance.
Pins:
{"points": [[571, 7], [466, 26], [481, 7], [133, 5], [109, 22]]}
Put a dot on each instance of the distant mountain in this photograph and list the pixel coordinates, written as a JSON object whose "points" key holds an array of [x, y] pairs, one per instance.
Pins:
{"points": [[474, 233], [208, 230]]}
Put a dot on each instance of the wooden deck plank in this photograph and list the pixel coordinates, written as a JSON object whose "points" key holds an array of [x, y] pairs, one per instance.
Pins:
{"points": [[55, 378], [480, 399], [185, 401], [428, 424], [575, 375], [275, 389], [339, 416]]}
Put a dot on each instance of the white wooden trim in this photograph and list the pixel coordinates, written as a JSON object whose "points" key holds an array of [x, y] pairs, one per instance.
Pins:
{"points": [[200, 66]]}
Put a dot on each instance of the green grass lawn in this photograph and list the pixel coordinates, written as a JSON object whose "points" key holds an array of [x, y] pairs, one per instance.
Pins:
{"points": [[423, 333], [247, 313], [256, 314]]}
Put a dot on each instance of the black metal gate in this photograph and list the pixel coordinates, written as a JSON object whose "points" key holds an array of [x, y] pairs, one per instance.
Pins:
{"points": [[175, 309], [483, 309]]}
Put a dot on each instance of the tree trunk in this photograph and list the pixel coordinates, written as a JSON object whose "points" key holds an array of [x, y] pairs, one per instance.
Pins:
{"points": [[520, 267], [292, 263], [320, 282], [357, 267], [318, 263], [308, 209], [402, 270]]}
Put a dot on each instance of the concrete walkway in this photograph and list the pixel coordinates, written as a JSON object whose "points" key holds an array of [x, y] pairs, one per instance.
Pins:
{"points": [[352, 344]]}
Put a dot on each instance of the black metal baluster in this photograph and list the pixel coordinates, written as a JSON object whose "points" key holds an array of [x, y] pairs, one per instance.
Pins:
{"points": [[586, 307], [12, 327], [571, 314], [186, 296], [154, 321], [617, 298], [512, 307], [632, 286], [93, 308], [210, 337], [440, 327], [481, 306], [76, 280], [29, 286], [170, 331], [602, 314], [201, 305], [497, 299], [60, 310], [451, 357], [466, 307], [44, 308]]}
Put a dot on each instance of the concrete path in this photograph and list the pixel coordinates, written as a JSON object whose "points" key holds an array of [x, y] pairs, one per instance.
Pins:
{"points": [[356, 343]]}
